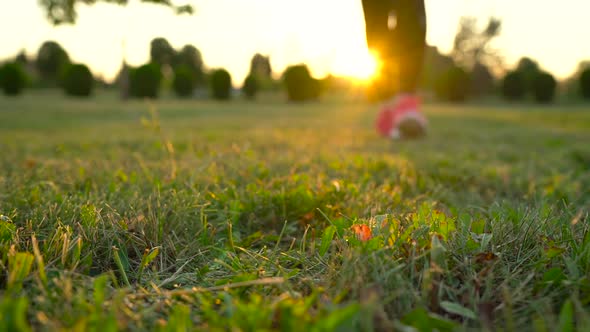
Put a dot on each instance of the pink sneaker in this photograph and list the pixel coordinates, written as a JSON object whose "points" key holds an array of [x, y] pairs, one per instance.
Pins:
{"points": [[401, 118]]}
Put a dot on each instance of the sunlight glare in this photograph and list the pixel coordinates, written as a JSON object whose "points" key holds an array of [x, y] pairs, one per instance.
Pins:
{"points": [[361, 66]]}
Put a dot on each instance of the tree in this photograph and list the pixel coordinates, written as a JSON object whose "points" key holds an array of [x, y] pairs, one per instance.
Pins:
{"points": [[472, 46], [51, 60], [544, 88], [529, 69], [22, 58], [191, 58], [527, 65], [572, 85], [514, 86], [261, 70], [145, 81], [184, 81], [251, 86], [260, 66], [300, 85], [585, 84], [64, 11], [161, 52], [482, 80], [453, 85], [435, 64]]}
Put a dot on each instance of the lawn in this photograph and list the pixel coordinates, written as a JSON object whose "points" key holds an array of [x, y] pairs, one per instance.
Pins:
{"points": [[240, 216]]}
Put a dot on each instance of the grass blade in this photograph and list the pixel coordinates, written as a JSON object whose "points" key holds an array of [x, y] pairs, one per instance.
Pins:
{"points": [[147, 258], [40, 262], [327, 239], [119, 262]]}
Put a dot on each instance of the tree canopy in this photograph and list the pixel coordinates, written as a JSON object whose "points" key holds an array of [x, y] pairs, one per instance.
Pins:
{"points": [[64, 11], [530, 70], [191, 58], [51, 59], [260, 66], [161, 52], [472, 45]]}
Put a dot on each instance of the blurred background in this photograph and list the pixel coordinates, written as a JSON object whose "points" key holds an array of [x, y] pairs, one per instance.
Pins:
{"points": [[528, 50]]}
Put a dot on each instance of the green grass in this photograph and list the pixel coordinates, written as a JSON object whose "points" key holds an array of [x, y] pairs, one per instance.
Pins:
{"points": [[237, 217]]}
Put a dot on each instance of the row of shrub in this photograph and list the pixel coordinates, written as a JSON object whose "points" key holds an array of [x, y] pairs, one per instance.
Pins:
{"points": [[456, 85], [76, 79], [183, 70], [145, 81], [52, 67]]}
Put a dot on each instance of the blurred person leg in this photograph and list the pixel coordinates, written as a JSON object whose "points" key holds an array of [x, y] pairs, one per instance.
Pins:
{"points": [[396, 34]]}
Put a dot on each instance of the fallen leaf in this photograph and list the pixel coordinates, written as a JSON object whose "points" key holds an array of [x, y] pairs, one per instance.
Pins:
{"points": [[363, 232], [485, 257]]}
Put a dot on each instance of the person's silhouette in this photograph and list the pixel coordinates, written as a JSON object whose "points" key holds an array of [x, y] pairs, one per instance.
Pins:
{"points": [[396, 33]]}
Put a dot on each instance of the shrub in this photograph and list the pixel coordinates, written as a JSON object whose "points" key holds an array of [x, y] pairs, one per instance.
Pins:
{"points": [[585, 84], [300, 85], [184, 81], [251, 86], [514, 86], [453, 85], [144, 82], [13, 79], [221, 84], [544, 87], [77, 81]]}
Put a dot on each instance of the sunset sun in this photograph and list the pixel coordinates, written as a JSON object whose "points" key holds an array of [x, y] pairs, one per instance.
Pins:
{"points": [[361, 66]]}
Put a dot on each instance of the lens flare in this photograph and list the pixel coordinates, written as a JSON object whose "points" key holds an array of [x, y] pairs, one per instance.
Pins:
{"points": [[361, 66]]}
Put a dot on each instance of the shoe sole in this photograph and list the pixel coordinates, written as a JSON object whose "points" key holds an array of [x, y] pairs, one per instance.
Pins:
{"points": [[411, 128]]}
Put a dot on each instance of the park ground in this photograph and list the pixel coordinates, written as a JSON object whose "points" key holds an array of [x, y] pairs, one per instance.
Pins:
{"points": [[239, 216]]}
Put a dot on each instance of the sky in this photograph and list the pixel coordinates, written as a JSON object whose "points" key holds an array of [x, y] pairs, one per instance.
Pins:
{"points": [[328, 35]]}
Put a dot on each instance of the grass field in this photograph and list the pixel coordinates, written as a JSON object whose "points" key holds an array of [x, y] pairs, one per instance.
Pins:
{"points": [[239, 217]]}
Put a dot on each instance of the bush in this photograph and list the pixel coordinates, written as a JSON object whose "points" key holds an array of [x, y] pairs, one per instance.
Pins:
{"points": [[221, 84], [77, 81], [144, 82], [13, 79], [585, 84], [453, 85], [184, 81], [300, 85], [514, 86], [251, 86], [544, 87]]}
